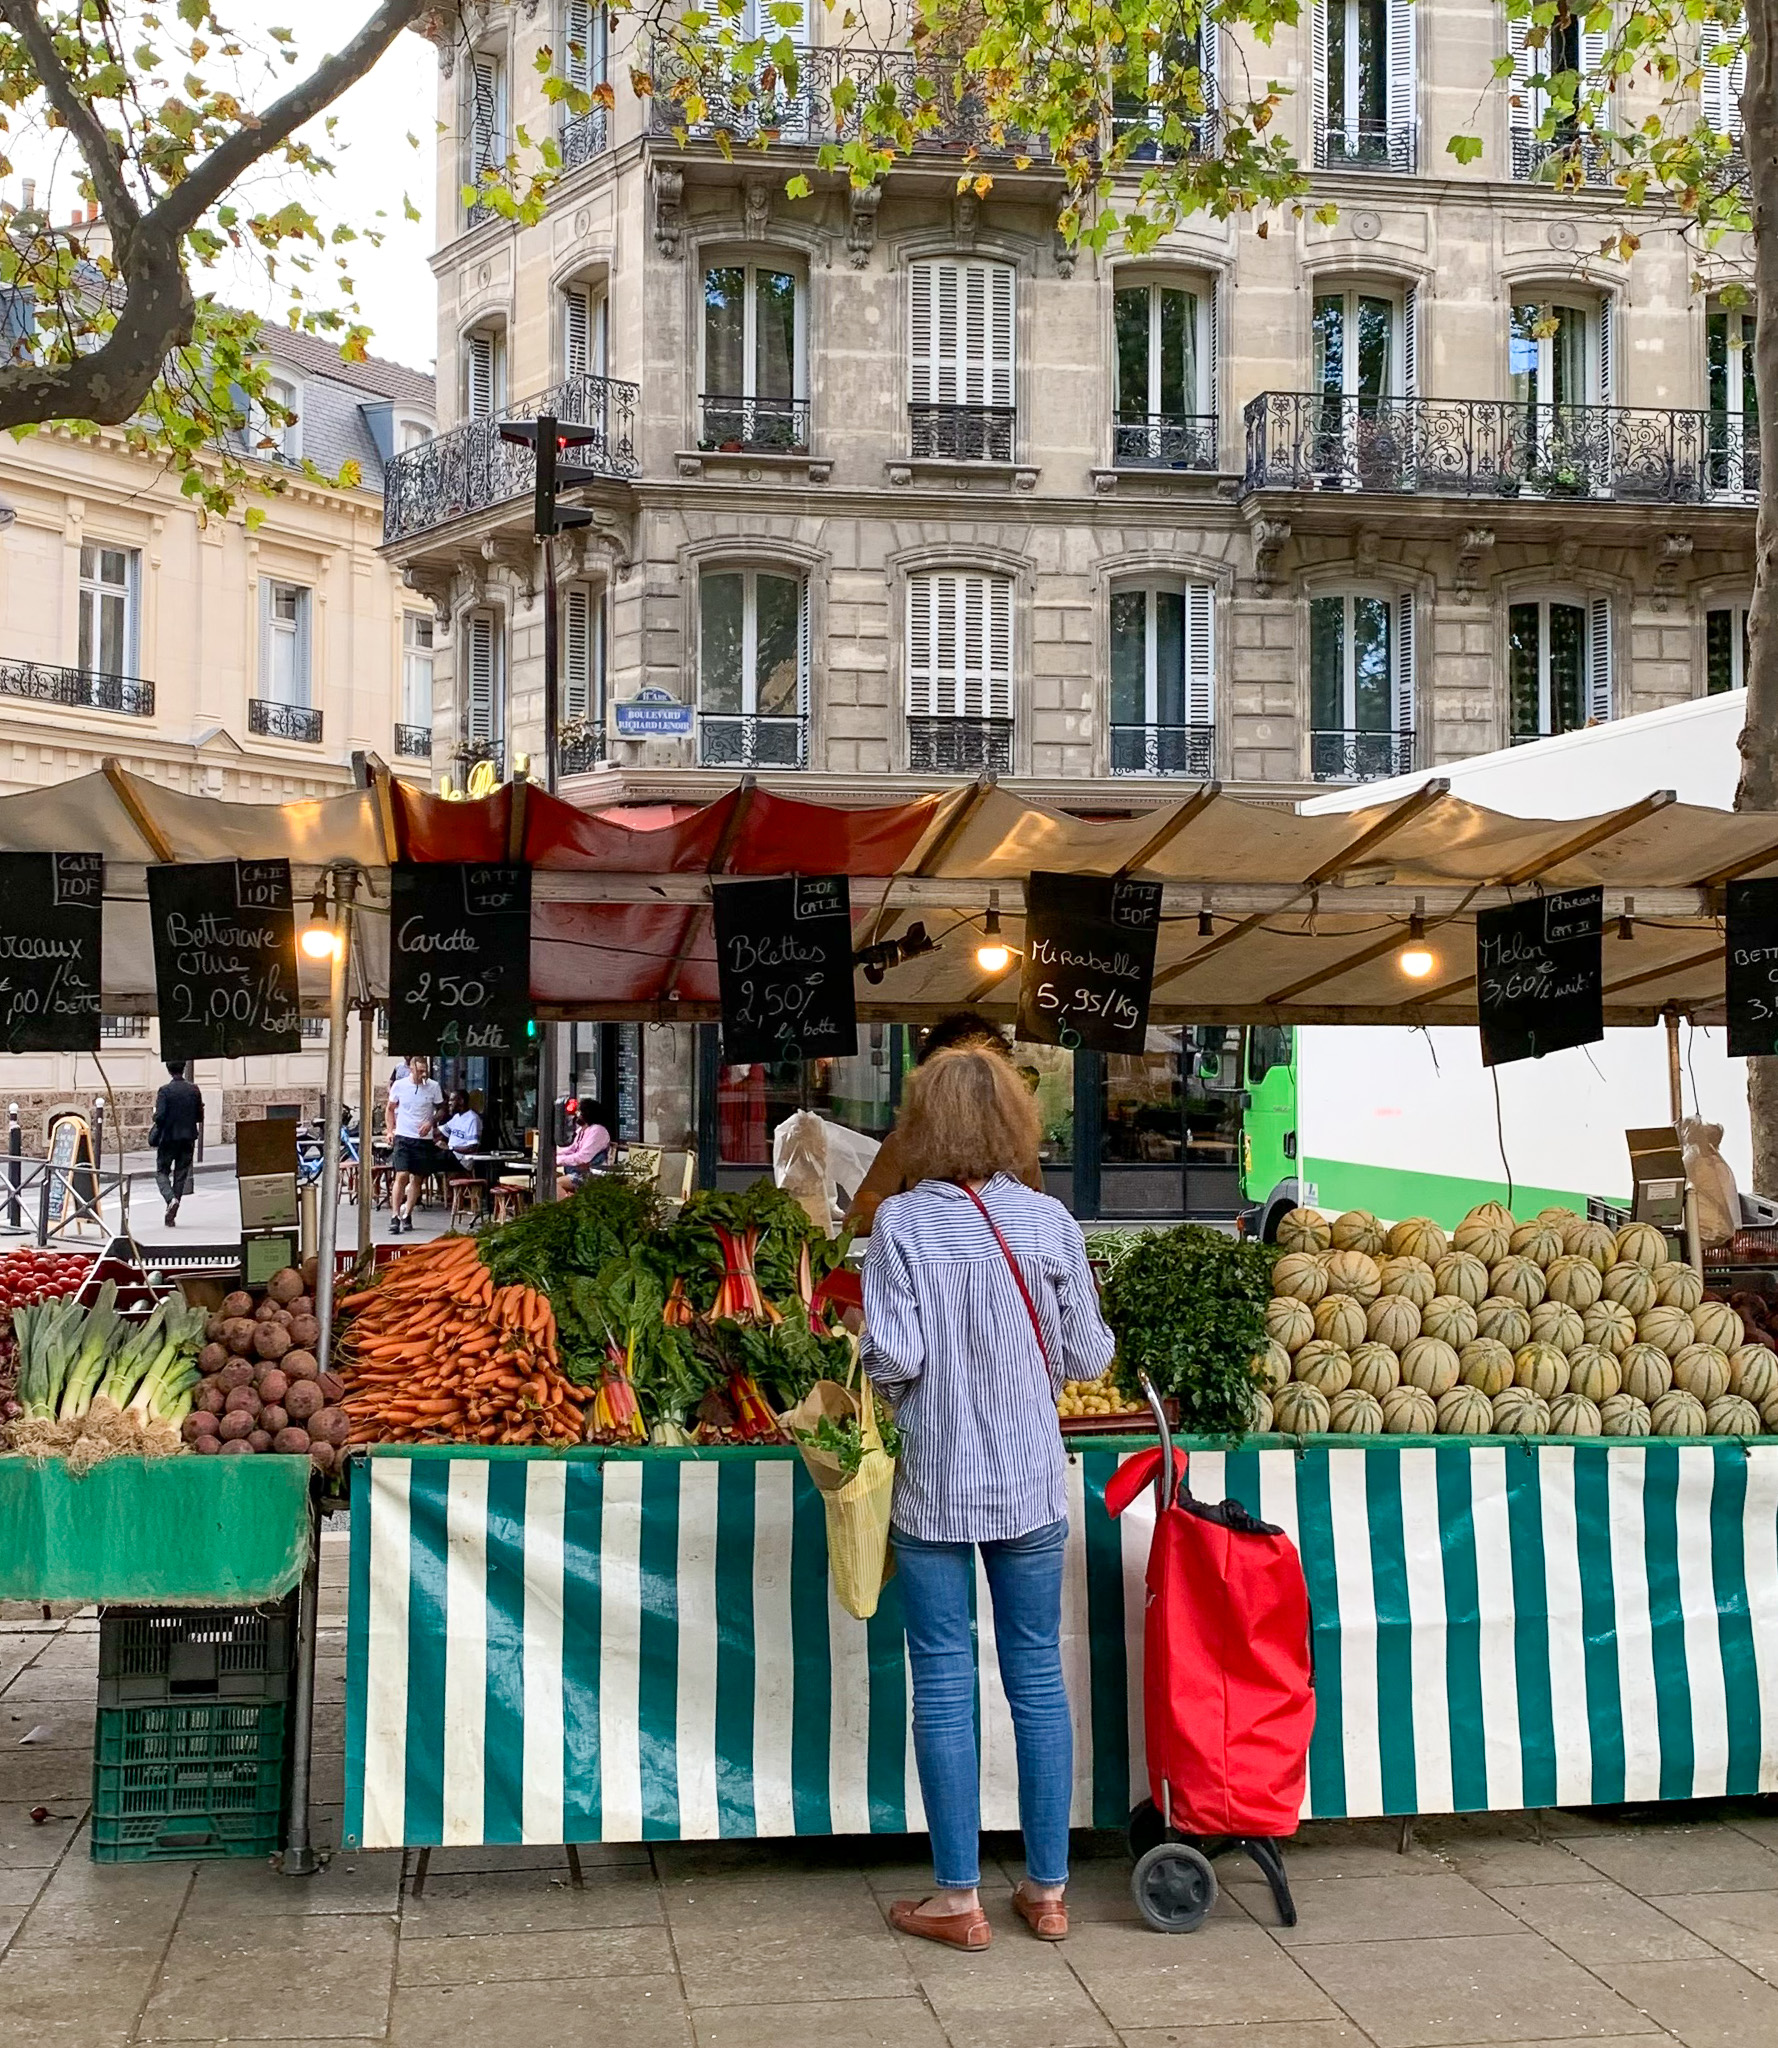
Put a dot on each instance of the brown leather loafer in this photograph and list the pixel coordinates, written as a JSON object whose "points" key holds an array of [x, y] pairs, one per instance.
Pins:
{"points": [[954, 1930], [1046, 1918]]}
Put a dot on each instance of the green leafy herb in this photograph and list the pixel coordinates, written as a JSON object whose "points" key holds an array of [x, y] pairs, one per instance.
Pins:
{"points": [[1188, 1308], [845, 1440]]}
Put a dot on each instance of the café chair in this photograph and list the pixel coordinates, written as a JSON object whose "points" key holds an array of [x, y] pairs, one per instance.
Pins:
{"points": [[511, 1197], [469, 1200], [678, 1170]]}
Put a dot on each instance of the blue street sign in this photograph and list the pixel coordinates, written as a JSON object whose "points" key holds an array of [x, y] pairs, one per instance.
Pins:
{"points": [[653, 714]]}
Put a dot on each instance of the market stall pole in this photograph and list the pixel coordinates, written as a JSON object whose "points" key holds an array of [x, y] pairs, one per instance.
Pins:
{"points": [[366, 1084], [1694, 1249]]}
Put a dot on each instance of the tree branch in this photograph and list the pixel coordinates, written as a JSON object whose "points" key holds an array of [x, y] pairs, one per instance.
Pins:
{"points": [[116, 200]]}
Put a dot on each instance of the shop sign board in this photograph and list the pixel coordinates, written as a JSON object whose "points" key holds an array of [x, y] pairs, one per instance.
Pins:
{"points": [[1089, 961], [1540, 975], [459, 958], [1751, 951], [225, 959], [784, 968], [50, 920]]}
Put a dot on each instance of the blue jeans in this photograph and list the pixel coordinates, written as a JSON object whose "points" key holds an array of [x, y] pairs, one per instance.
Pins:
{"points": [[1025, 1582]]}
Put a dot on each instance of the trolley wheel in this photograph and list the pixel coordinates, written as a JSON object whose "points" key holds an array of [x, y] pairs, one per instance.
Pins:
{"points": [[1174, 1888], [1147, 1829]]}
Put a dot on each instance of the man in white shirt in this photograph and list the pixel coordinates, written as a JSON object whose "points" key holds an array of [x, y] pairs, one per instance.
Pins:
{"points": [[412, 1118]]}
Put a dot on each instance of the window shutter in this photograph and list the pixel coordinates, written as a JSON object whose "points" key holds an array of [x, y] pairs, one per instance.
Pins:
{"points": [[1737, 85], [1318, 60], [802, 651], [1210, 397], [1402, 109], [487, 146], [1404, 662], [1410, 343], [969, 691], [1606, 351], [1522, 113], [999, 365], [1592, 53], [1200, 654], [577, 331], [303, 690], [997, 664], [1712, 79], [577, 652], [922, 598], [577, 37], [1210, 66], [922, 338], [1599, 659], [265, 638], [480, 698], [479, 395], [972, 335]]}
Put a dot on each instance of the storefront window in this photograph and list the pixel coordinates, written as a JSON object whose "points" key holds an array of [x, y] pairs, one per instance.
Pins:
{"points": [[1176, 1102], [752, 1100], [1049, 1073]]}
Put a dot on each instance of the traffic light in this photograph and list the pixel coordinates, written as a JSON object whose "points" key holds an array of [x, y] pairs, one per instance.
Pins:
{"points": [[551, 439]]}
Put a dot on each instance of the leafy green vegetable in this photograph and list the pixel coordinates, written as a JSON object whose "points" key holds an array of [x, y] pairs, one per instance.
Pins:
{"points": [[1188, 1308], [845, 1440]]}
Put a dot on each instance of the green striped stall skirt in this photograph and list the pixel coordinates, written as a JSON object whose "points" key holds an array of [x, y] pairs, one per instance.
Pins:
{"points": [[616, 1647]]}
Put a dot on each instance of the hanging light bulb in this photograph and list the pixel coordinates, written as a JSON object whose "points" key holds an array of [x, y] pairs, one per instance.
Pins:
{"points": [[319, 939], [993, 955], [1416, 959]]}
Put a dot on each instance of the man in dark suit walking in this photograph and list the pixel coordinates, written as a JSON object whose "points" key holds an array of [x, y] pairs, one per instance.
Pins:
{"points": [[178, 1118]]}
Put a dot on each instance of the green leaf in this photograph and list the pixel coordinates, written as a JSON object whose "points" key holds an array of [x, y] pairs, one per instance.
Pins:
{"points": [[1467, 149]]}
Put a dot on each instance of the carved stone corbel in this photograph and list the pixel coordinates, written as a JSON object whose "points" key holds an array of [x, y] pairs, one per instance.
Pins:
{"points": [[861, 225], [1672, 551], [517, 557], [966, 214], [1364, 552], [440, 29], [669, 211], [756, 201], [435, 589], [1269, 537], [1064, 249], [1568, 556], [1476, 542]]}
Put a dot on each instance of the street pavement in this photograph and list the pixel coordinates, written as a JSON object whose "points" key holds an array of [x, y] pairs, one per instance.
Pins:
{"points": [[1612, 1929]]}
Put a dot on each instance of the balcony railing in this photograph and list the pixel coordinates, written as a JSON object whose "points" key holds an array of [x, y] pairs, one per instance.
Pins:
{"points": [[1368, 145], [269, 720], [586, 137], [1498, 448], [833, 87], [960, 746], [961, 433], [1164, 750], [1360, 756], [471, 468], [1562, 158], [1145, 125], [753, 426], [726, 741], [414, 742], [467, 755], [79, 688], [1164, 440], [579, 750]]}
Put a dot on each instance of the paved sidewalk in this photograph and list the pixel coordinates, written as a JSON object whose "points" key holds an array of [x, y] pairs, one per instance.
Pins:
{"points": [[1610, 1930]]}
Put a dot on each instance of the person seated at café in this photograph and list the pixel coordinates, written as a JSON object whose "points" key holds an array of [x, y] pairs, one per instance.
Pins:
{"points": [[462, 1129], [590, 1144]]}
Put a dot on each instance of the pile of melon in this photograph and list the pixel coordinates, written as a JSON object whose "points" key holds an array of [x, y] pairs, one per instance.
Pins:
{"points": [[1555, 1327]]}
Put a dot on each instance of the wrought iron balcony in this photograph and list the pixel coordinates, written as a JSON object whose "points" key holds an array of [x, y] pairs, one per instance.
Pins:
{"points": [[1360, 756], [587, 136], [1499, 448], [1562, 159], [960, 746], [726, 741], [753, 426], [470, 754], [471, 468], [579, 748], [962, 433], [832, 89], [269, 720], [1368, 145], [1164, 750], [1151, 145], [1164, 440], [79, 688], [414, 742]]}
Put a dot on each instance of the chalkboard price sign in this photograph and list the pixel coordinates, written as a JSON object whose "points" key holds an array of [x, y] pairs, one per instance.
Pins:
{"points": [[50, 919], [225, 959], [459, 958], [1539, 972], [784, 968], [1089, 961], [1751, 950]]}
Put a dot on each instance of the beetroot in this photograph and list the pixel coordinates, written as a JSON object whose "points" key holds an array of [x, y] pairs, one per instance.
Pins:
{"points": [[303, 1305], [286, 1285], [213, 1358], [321, 1456], [272, 1384], [304, 1399], [292, 1442], [305, 1331], [237, 1334], [271, 1340], [235, 1426], [240, 1401], [240, 1303], [300, 1365], [212, 1398], [260, 1439], [213, 1328], [331, 1425], [198, 1423], [239, 1373], [274, 1419], [267, 1311], [207, 1446], [238, 1447], [333, 1387]]}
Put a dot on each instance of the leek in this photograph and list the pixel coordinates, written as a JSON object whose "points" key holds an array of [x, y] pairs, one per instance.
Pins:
{"points": [[172, 1373], [92, 1341], [135, 1357]]}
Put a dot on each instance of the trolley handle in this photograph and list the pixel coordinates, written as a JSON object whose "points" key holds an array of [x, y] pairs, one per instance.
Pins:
{"points": [[1166, 1484]]}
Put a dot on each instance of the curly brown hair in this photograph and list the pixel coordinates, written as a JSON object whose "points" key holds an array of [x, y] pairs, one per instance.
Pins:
{"points": [[966, 1115]]}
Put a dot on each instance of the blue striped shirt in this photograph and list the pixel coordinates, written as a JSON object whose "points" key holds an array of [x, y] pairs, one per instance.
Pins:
{"points": [[948, 1340]]}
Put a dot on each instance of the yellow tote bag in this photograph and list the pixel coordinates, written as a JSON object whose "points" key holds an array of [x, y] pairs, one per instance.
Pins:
{"points": [[856, 1504]]}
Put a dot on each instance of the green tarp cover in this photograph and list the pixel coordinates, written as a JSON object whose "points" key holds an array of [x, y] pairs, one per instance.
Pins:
{"points": [[164, 1532]]}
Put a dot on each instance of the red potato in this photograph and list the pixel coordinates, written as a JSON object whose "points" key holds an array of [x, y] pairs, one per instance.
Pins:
{"points": [[267, 1311], [240, 1303], [235, 1426], [285, 1286], [207, 1446], [260, 1439], [211, 1400], [305, 1332], [241, 1401], [273, 1419], [300, 1365], [238, 1373], [213, 1328], [322, 1456], [213, 1358], [271, 1340], [237, 1334], [304, 1399], [303, 1305], [292, 1443], [238, 1447], [273, 1385]]}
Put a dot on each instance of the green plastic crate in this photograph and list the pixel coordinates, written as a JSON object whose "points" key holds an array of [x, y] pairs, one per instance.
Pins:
{"points": [[188, 1779], [167, 1653]]}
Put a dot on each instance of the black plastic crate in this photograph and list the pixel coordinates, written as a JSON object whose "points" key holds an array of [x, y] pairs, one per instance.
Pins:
{"points": [[188, 1779], [199, 1653]]}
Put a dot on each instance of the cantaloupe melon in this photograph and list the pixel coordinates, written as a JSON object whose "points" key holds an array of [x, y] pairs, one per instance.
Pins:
{"points": [[1305, 1230], [1300, 1410], [1509, 1321], [1301, 1275], [1259, 1412], [1326, 1367], [1679, 1286], [1594, 1372], [1592, 1242], [1271, 1365], [1542, 1369], [1352, 1272], [1392, 1319], [1517, 1279], [1632, 1285], [1729, 1415], [1609, 1325], [1641, 1244], [1714, 1322], [1768, 1414], [1359, 1231], [1678, 1413], [1702, 1370], [1623, 1415], [1340, 1320], [1496, 1213], [1461, 1274], [1520, 1412], [1465, 1411], [1489, 1242], [1648, 1373], [1753, 1373], [1431, 1364], [1409, 1411], [1557, 1217], [1670, 1328], [1289, 1322], [1486, 1363], [1450, 1317], [1375, 1369], [1419, 1238], [1355, 1413], [1410, 1278], [1573, 1281], [1536, 1242], [1572, 1414], [1554, 1322]]}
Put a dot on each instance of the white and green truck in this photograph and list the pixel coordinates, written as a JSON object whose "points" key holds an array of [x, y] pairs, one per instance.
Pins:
{"points": [[1405, 1122]]}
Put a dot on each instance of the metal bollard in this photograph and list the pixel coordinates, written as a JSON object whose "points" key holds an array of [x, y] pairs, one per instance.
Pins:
{"points": [[15, 1154]]}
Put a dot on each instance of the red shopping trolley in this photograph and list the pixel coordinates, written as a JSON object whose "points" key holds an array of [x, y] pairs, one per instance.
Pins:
{"points": [[1228, 1692]]}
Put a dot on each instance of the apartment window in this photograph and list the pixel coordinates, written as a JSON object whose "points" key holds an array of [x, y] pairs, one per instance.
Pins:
{"points": [[753, 341], [1156, 91], [1725, 649], [484, 683], [417, 650], [124, 1030], [753, 668], [1720, 83], [960, 335], [484, 373], [284, 642], [484, 127], [1559, 665], [1569, 48], [413, 434], [274, 425], [109, 579], [1364, 83], [1166, 376], [1559, 352], [583, 663], [1162, 681], [1363, 343], [1361, 686], [959, 670], [583, 331], [1733, 397], [584, 46]]}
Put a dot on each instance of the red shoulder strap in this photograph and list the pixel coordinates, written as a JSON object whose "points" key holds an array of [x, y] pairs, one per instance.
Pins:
{"points": [[1013, 1264]]}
